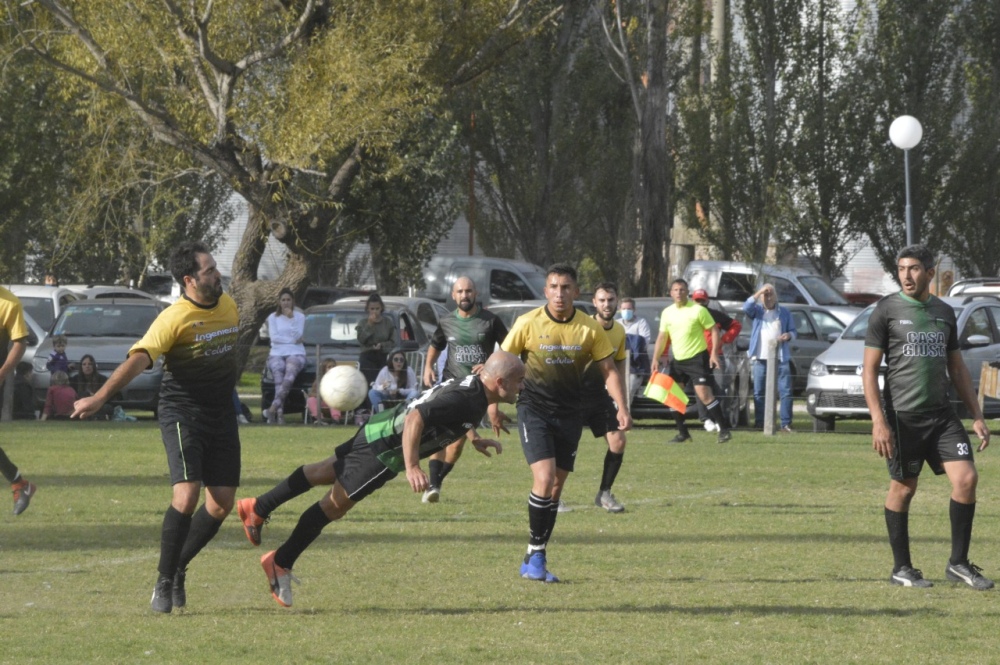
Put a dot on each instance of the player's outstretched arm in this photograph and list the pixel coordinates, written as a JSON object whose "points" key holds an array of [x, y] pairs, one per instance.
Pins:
{"points": [[135, 365], [413, 428]]}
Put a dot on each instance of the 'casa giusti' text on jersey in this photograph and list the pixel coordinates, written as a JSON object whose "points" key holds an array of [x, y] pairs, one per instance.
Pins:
{"points": [[916, 338]]}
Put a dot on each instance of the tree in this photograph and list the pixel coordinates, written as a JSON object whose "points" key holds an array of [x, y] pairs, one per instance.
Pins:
{"points": [[285, 101]]}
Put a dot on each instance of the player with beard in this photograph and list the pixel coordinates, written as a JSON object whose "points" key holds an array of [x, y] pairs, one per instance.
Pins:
{"points": [[196, 337], [913, 420], [601, 413], [470, 334]]}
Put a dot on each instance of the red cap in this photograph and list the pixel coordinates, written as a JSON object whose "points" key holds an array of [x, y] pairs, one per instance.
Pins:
{"points": [[699, 295]]}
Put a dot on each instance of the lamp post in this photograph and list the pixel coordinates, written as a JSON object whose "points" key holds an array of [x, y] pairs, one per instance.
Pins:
{"points": [[905, 132]]}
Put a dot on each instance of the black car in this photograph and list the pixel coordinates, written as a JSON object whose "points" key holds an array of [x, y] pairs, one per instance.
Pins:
{"points": [[330, 333]]}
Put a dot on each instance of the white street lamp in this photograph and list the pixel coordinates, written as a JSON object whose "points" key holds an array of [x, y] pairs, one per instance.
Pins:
{"points": [[905, 132]]}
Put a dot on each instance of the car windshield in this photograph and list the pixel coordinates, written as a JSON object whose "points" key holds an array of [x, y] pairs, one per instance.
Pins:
{"points": [[823, 293], [105, 320], [336, 327], [40, 309]]}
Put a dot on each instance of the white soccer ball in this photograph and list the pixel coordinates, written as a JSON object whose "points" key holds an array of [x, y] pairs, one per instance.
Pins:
{"points": [[343, 388]]}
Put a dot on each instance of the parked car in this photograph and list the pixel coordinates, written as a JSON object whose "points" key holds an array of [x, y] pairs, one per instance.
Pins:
{"points": [[733, 377], [496, 280], [106, 329], [36, 335], [43, 303], [101, 291], [509, 311], [816, 328], [428, 311], [834, 390], [329, 333], [975, 286], [732, 282]]}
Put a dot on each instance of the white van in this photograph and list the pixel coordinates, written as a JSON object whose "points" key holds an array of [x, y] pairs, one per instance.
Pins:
{"points": [[497, 280], [732, 282]]}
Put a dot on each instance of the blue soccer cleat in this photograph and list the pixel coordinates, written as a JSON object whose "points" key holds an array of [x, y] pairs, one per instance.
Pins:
{"points": [[534, 568]]}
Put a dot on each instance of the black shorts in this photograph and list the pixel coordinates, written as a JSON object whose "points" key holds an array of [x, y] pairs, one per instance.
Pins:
{"points": [[206, 454], [935, 438], [694, 370], [358, 470], [600, 415], [547, 436]]}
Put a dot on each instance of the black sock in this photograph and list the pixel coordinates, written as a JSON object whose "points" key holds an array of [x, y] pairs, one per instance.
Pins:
{"points": [[681, 427], [311, 524], [538, 520], [434, 473], [715, 413], [898, 525], [445, 470], [7, 468], [289, 488], [203, 529], [612, 463], [172, 536], [961, 530]]}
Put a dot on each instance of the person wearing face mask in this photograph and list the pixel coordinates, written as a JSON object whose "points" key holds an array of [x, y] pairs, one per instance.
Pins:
{"points": [[638, 340]]}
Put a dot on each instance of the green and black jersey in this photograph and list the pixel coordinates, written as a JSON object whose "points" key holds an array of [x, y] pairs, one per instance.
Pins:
{"points": [[469, 340], [555, 355], [916, 338], [198, 345], [449, 410]]}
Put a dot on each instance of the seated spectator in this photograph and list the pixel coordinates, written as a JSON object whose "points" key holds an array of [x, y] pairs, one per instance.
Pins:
{"points": [[396, 381], [285, 326], [87, 382], [59, 398], [58, 362], [318, 409]]}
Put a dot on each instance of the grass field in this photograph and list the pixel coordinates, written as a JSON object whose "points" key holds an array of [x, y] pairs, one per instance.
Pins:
{"points": [[763, 550]]}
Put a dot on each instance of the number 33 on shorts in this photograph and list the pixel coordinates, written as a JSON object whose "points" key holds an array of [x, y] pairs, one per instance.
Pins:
{"points": [[962, 449]]}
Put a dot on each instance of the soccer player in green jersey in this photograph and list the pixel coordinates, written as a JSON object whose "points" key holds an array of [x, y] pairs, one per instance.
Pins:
{"points": [[917, 334]]}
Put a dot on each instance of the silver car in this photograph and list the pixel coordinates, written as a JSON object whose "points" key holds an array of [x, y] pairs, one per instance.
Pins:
{"points": [[834, 390], [105, 329]]}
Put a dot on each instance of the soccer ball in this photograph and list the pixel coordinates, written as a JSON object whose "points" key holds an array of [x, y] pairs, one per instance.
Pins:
{"points": [[343, 388]]}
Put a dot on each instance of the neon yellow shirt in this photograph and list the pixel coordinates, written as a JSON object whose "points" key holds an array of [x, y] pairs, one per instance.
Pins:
{"points": [[685, 328]]}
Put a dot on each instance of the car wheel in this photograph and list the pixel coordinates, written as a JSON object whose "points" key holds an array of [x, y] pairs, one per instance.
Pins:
{"points": [[824, 424]]}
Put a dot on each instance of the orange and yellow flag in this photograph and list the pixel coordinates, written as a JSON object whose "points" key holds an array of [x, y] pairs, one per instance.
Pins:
{"points": [[664, 389]]}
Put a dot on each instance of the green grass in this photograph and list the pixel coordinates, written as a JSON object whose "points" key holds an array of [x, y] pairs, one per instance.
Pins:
{"points": [[764, 550]]}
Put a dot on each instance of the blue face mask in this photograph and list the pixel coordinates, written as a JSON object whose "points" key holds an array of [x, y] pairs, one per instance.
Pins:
{"points": [[628, 314]]}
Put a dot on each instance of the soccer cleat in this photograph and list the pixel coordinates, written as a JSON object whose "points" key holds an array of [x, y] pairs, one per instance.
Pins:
{"points": [[162, 600], [23, 491], [431, 495], [968, 573], [279, 579], [534, 568], [177, 593], [563, 508], [252, 522], [724, 435], [907, 576], [605, 499], [681, 437], [710, 426]]}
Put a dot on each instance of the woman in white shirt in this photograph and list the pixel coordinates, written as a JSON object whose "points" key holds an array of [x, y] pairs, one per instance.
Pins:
{"points": [[288, 356], [397, 380]]}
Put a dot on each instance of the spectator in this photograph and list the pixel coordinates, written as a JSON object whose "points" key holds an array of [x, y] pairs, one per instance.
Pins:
{"points": [[59, 398], [638, 340], [771, 321], [88, 381], [285, 326], [376, 335], [318, 409], [396, 381], [58, 362]]}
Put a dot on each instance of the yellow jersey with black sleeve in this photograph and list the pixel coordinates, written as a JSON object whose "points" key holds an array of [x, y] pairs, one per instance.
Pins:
{"points": [[12, 324], [556, 354], [686, 327], [198, 346]]}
